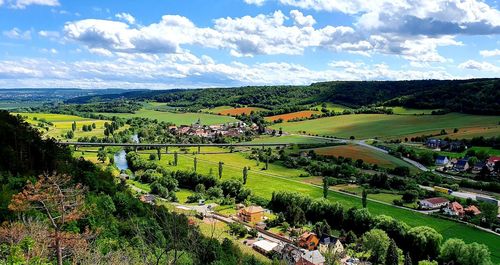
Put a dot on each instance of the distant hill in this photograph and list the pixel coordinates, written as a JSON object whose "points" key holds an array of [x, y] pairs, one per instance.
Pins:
{"points": [[476, 96]]}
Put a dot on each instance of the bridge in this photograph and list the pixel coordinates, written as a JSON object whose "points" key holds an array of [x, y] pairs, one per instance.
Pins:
{"points": [[158, 146]]}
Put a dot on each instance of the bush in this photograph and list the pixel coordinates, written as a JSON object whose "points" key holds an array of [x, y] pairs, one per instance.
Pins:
{"points": [[152, 157], [194, 198], [215, 193], [237, 229]]}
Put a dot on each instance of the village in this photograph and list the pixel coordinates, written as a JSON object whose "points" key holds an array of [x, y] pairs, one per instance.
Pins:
{"points": [[235, 129]]}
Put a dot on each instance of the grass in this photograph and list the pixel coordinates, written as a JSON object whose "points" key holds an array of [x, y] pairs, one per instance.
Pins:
{"points": [[186, 118], [337, 108], [410, 111], [368, 155], [62, 124], [292, 139], [420, 149], [390, 126], [264, 183], [293, 115]]}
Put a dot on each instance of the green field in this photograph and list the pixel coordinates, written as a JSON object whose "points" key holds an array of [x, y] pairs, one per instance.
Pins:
{"points": [[176, 118], [368, 155], [263, 183], [62, 124], [217, 109], [337, 108], [390, 126], [292, 139], [410, 111]]}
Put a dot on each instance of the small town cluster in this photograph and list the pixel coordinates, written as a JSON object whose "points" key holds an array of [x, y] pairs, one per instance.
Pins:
{"points": [[234, 129]]}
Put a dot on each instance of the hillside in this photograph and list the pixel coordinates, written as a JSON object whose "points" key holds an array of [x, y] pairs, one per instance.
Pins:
{"points": [[474, 96]]}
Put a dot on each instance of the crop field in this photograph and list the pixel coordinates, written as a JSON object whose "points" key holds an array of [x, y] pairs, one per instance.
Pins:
{"points": [[410, 111], [263, 183], [293, 115], [62, 124], [337, 108], [175, 118], [292, 139], [239, 111], [390, 126], [368, 155]]}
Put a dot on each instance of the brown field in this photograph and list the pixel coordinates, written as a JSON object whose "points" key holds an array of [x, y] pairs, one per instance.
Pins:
{"points": [[239, 111], [359, 152], [293, 115]]}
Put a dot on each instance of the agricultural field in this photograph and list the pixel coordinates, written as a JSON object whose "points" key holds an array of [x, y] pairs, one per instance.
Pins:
{"points": [[368, 155], [175, 118], [293, 115], [292, 139], [410, 111], [364, 126], [263, 183], [337, 108], [62, 123], [239, 111]]}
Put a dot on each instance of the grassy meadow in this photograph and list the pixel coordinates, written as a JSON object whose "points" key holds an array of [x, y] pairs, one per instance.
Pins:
{"points": [[62, 124], [292, 139], [391, 126], [411, 111], [176, 118], [265, 182], [337, 108]]}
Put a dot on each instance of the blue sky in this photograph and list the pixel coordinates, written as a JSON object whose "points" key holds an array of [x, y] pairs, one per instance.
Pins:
{"points": [[198, 43]]}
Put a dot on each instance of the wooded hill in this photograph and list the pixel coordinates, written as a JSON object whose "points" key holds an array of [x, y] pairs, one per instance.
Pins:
{"points": [[475, 96]]}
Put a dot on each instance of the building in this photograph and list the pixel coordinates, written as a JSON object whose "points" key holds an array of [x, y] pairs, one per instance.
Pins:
{"points": [[252, 214], [264, 246], [472, 210], [492, 160], [309, 241], [454, 209], [311, 258], [442, 161], [461, 165], [148, 198], [330, 244], [433, 203]]}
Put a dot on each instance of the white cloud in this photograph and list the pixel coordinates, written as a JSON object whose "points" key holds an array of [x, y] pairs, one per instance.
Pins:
{"points": [[479, 66], [301, 20], [490, 53], [21, 4], [255, 2], [16, 33], [126, 17]]}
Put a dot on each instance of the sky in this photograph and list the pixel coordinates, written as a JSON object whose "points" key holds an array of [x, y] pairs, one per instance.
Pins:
{"points": [[162, 44]]}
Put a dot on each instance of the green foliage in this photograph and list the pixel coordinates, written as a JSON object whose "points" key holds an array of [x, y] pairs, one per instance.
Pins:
{"points": [[376, 242], [392, 256], [425, 242], [457, 252]]}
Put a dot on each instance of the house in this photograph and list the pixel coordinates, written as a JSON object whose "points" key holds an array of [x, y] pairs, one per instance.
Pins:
{"points": [[291, 254], [472, 210], [311, 258], [456, 146], [461, 165], [454, 209], [435, 143], [309, 241], [148, 198], [264, 246], [433, 203], [492, 160], [331, 245], [478, 166], [252, 214], [442, 161]]}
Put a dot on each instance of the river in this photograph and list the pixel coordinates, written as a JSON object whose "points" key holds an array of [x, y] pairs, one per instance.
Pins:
{"points": [[121, 160]]}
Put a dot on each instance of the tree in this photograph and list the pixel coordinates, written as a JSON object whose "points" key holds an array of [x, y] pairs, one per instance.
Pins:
{"points": [[70, 134], [195, 163], [58, 199], [73, 126], [93, 125], [101, 155], [457, 252], [158, 151], [220, 168], [325, 187], [245, 175], [152, 157], [425, 242], [407, 259], [410, 196], [427, 262], [489, 213], [267, 163], [364, 196], [376, 242], [351, 237], [392, 256], [175, 158]]}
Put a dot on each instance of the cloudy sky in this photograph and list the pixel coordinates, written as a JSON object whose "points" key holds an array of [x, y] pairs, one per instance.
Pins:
{"points": [[200, 43]]}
